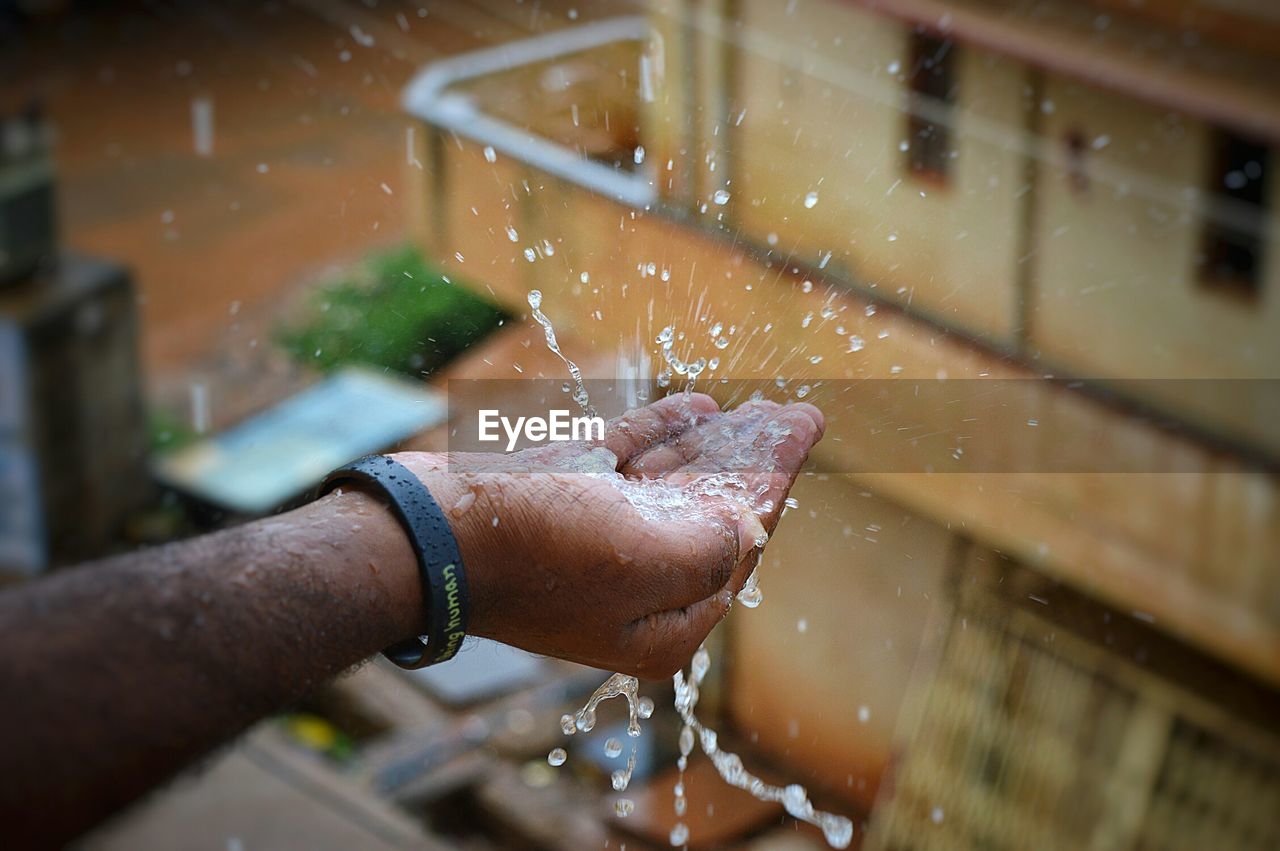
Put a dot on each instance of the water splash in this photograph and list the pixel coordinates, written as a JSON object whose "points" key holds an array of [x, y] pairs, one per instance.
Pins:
{"points": [[836, 829], [618, 685], [657, 500], [691, 369], [580, 390]]}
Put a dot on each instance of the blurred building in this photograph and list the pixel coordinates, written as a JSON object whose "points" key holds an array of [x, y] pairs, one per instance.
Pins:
{"points": [[1072, 637]]}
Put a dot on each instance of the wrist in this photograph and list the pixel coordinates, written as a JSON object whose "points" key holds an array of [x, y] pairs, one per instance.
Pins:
{"points": [[470, 515], [381, 569]]}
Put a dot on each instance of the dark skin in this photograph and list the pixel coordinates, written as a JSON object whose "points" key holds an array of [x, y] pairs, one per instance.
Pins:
{"points": [[117, 675]]}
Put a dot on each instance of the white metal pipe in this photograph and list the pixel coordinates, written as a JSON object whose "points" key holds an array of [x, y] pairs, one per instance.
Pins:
{"points": [[427, 97]]}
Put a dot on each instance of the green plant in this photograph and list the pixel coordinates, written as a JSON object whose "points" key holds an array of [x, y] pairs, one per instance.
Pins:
{"points": [[167, 432], [395, 311]]}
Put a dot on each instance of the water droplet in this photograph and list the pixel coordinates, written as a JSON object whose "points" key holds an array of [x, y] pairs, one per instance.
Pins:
{"points": [[557, 757], [802, 391], [811, 200], [838, 831], [512, 234], [856, 343], [700, 664], [612, 748], [937, 815], [490, 154], [794, 799], [645, 707], [710, 740], [679, 834], [567, 726], [894, 67], [530, 255], [720, 197], [624, 807], [864, 714], [464, 503], [639, 155]]}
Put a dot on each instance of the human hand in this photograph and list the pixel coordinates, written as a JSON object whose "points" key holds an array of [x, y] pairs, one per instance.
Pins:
{"points": [[622, 554]]}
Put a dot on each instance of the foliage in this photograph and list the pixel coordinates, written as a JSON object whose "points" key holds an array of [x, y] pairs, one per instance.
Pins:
{"points": [[396, 311]]}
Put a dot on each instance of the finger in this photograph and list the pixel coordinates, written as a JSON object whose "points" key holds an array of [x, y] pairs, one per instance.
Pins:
{"points": [[664, 642], [703, 448], [753, 441], [633, 432], [788, 435], [658, 461], [742, 571], [813, 413], [688, 561], [764, 449], [791, 434]]}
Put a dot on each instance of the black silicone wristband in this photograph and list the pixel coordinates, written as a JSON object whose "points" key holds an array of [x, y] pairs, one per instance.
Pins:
{"points": [[444, 581]]}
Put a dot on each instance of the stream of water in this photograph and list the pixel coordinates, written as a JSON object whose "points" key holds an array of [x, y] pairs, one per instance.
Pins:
{"points": [[794, 798]]}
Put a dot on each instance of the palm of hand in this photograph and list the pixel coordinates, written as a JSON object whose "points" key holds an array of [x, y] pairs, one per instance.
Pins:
{"points": [[625, 553]]}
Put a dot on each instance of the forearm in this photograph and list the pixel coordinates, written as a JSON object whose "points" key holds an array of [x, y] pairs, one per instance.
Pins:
{"points": [[118, 674]]}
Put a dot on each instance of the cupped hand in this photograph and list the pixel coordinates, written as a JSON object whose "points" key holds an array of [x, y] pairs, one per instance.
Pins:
{"points": [[622, 553]]}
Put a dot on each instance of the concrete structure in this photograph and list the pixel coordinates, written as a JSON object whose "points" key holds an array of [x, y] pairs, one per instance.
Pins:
{"points": [[927, 190]]}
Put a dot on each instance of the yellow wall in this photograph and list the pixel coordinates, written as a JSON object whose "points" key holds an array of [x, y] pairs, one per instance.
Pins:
{"points": [[1194, 549], [849, 582], [825, 114], [1115, 293]]}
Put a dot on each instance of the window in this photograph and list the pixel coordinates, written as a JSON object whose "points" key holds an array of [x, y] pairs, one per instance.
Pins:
{"points": [[1236, 221], [932, 102], [1077, 161]]}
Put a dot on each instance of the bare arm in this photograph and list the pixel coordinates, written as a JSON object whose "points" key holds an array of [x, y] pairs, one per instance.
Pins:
{"points": [[116, 675]]}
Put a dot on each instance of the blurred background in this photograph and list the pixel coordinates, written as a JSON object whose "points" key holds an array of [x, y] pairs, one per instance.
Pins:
{"points": [[243, 243]]}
